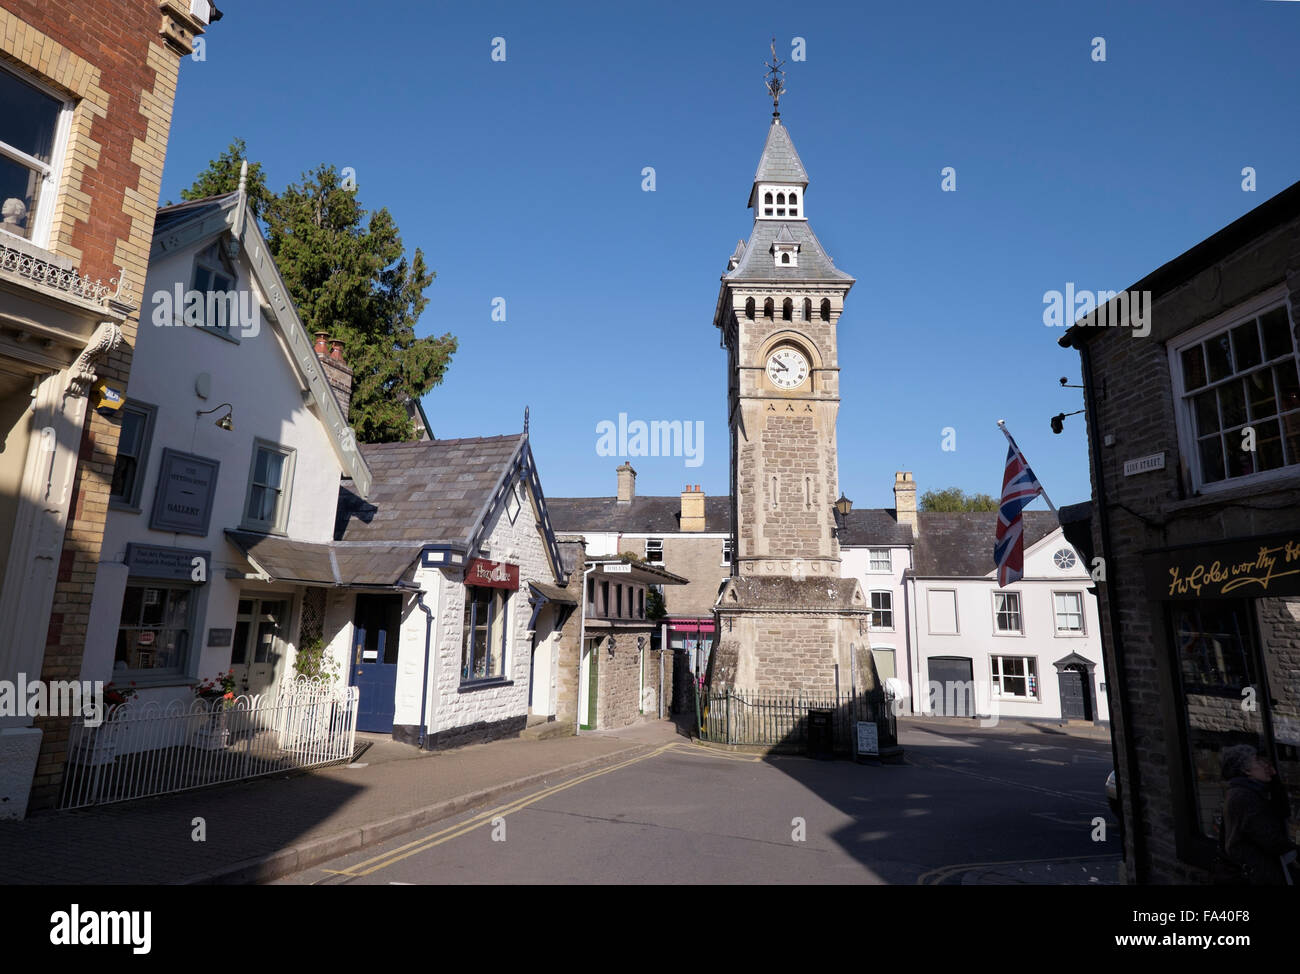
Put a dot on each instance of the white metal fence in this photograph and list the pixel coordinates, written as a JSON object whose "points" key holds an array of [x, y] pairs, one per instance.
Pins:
{"points": [[148, 749]]}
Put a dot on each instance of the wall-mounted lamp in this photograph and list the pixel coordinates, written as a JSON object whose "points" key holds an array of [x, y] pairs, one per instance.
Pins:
{"points": [[227, 421], [1058, 421], [842, 508], [610, 647]]}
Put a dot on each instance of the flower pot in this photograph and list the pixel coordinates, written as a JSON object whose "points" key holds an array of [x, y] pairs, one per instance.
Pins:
{"points": [[214, 735]]}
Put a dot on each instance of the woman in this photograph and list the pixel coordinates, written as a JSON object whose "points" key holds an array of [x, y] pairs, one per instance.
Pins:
{"points": [[1254, 825]]}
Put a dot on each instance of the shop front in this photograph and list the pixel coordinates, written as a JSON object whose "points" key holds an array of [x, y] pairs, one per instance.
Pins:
{"points": [[1229, 616]]}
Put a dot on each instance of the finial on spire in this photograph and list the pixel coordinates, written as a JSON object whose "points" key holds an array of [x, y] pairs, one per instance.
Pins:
{"points": [[525, 420], [243, 176], [775, 81]]}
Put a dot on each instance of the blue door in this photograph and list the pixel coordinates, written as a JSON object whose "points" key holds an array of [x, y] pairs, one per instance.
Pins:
{"points": [[374, 660]]}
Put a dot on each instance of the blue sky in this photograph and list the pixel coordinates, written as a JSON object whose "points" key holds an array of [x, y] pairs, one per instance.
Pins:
{"points": [[522, 180]]}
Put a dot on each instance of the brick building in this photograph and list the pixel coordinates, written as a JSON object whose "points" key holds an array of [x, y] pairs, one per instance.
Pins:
{"points": [[88, 90], [1194, 442]]}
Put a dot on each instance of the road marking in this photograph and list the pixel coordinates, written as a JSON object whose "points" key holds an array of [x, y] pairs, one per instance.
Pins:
{"points": [[929, 763], [386, 859], [704, 751], [936, 876]]}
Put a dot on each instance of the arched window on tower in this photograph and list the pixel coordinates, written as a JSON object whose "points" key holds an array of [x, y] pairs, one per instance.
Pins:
{"points": [[780, 204], [794, 204], [767, 204], [749, 308], [785, 258], [826, 309], [768, 307], [807, 309], [787, 307]]}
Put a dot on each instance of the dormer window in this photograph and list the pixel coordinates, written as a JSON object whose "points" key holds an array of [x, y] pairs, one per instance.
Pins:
{"points": [[786, 255], [214, 279]]}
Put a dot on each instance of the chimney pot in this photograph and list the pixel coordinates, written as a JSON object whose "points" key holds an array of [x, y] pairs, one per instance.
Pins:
{"points": [[336, 349], [321, 348]]}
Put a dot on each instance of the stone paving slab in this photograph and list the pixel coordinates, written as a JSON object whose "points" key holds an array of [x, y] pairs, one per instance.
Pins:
{"points": [[256, 830]]}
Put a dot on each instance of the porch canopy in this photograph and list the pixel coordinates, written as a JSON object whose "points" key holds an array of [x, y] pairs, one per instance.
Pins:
{"points": [[333, 565]]}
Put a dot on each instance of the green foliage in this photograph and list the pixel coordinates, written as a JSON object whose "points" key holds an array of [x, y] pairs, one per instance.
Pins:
{"points": [[222, 176], [349, 276], [312, 661], [654, 604], [952, 499]]}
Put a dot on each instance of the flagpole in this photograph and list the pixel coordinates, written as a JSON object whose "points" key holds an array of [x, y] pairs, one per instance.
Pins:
{"points": [[1002, 425]]}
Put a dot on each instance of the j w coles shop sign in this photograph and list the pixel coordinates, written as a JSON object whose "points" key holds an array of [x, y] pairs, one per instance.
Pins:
{"points": [[1253, 568]]}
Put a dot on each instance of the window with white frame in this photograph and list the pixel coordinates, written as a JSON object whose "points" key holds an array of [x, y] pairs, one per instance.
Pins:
{"points": [[879, 560], [1015, 676], [269, 480], [882, 610], [728, 550], [132, 453], [33, 129], [1239, 395], [1006, 613], [654, 550], [1069, 613]]}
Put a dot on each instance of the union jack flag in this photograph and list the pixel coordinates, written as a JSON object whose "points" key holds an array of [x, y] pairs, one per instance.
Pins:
{"points": [[1019, 487]]}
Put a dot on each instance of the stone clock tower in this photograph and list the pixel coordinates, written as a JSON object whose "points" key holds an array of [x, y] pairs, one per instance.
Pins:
{"points": [[786, 620]]}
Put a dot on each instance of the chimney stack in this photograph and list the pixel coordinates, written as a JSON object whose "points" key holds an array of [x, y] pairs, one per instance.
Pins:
{"points": [[626, 483], [335, 370], [692, 508], [905, 501]]}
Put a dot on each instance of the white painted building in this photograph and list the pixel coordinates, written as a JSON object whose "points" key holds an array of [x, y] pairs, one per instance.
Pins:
{"points": [[231, 451], [470, 650], [959, 645]]}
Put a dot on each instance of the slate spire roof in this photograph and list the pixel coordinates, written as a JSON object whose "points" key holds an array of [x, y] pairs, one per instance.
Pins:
{"points": [[780, 162]]}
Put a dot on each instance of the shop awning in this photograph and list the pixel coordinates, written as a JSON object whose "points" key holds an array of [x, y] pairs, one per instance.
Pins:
{"points": [[340, 565]]}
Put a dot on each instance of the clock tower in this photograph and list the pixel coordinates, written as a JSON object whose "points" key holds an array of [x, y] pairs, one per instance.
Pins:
{"points": [[786, 620]]}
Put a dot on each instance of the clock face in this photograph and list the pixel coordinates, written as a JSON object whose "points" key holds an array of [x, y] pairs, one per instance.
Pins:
{"points": [[787, 368]]}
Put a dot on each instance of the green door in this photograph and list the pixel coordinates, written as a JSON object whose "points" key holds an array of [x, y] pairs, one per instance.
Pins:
{"points": [[593, 660]]}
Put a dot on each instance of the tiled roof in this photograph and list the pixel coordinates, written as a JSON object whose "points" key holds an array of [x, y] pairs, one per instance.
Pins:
{"points": [[780, 162], [961, 545], [430, 492], [874, 526], [758, 264], [644, 515], [287, 560], [176, 212]]}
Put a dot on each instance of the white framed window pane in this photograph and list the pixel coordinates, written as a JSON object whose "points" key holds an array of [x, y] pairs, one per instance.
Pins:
{"points": [[880, 560]]}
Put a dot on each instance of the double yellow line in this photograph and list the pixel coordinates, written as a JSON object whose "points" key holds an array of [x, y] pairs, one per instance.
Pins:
{"points": [[392, 856]]}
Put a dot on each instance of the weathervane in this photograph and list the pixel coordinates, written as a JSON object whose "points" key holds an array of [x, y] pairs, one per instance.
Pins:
{"points": [[775, 79]]}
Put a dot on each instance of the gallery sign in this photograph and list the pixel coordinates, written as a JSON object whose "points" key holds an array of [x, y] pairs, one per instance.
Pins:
{"points": [[186, 487], [1254, 568], [491, 574]]}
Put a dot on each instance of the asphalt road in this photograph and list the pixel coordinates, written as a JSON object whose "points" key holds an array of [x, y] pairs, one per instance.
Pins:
{"points": [[969, 806]]}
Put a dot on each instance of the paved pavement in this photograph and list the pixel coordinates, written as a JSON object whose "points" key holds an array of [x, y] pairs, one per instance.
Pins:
{"points": [[1007, 804], [269, 826]]}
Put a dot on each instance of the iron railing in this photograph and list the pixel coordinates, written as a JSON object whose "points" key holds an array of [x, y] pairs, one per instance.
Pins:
{"points": [[146, 749], [781, 721]]}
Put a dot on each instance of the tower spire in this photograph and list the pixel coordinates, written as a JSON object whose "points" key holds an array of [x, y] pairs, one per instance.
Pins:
{"points": [[775, 80]]}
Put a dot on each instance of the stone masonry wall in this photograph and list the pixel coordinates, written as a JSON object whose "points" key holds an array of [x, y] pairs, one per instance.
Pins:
{"points": [[1155, 510]]}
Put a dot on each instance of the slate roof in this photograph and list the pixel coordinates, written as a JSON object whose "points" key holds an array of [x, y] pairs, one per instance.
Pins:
{"points": [[961, 545], [430, 491], [553, 593], [874, 526], [780, 162], [287, 560], [644, 515], [179, 212], [758, 264]]}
